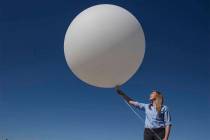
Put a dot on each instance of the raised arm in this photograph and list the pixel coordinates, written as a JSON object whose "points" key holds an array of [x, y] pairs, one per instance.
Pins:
{"points": [[127, 98]]}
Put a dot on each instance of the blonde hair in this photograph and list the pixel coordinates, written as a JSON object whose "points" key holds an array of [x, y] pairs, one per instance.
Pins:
{"points": [[158, 101]]}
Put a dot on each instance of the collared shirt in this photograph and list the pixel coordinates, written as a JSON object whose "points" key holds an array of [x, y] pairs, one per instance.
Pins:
{"points": [[153, 118]]}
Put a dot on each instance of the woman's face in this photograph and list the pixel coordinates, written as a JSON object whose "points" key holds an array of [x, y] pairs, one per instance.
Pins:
{"points": [[153, 95]]}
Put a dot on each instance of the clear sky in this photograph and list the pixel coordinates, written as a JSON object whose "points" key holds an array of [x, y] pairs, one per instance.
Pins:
{"points": [[41, 99]]}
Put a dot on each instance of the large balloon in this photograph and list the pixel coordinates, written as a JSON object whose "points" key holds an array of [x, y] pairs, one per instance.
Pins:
{"points": [[104, 45]]}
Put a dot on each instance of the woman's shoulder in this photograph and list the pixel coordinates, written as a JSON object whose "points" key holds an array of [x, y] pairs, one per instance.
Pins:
{"points": [[165, 108]]}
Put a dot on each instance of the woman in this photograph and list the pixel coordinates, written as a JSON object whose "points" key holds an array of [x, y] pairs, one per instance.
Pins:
{"points": [[158, 119]]}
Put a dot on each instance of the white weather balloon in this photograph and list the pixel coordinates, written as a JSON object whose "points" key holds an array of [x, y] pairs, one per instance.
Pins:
{"points": [[104, 45]]}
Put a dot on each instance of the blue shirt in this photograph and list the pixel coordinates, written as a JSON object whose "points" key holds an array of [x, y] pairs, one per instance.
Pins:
{"points": [[153, 118]]}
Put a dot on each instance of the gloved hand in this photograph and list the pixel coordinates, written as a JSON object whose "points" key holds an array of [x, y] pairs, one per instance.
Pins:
{"points": [[117, 88]]}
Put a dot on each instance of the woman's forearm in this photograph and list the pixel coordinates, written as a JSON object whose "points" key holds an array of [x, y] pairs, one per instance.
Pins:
{"points": [[121, 93], [127, 98], [167, 132]]}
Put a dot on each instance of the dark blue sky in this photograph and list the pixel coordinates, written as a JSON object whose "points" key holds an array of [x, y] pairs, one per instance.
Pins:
{"points": [[41, 99]]}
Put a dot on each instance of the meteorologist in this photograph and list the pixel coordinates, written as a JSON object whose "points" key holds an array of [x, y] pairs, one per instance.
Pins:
{"points": [[157, 120]]}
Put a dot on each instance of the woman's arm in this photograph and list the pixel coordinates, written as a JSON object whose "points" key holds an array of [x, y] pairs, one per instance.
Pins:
{"points": [[167, 132], [167, 119], [127, 98]]}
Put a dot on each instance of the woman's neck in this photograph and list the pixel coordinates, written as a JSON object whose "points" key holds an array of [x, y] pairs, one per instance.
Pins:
{"points": [[153, 104]]}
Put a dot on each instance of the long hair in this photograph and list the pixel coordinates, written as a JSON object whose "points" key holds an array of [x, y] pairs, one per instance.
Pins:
{"points": [[158, 101]]}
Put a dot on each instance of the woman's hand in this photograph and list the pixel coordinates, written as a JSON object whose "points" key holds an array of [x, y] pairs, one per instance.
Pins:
{"points": [[165, 138], [117, 88]]}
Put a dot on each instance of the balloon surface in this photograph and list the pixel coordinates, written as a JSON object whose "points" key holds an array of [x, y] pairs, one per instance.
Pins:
{"points": [[104, 45]]}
